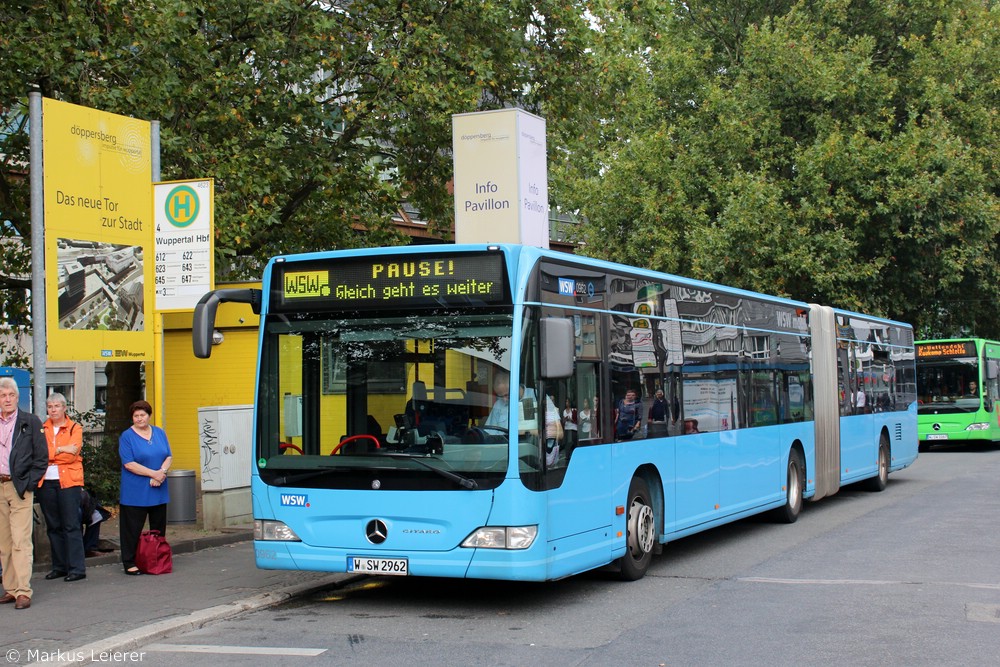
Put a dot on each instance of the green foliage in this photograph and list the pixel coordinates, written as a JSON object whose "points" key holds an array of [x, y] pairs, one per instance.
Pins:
{"points": [[101, 464], [313, 118], [102, 468], [841, 152]]}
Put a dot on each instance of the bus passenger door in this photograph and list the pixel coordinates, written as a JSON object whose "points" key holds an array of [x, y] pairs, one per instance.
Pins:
{"points": [[580, 477], [697, 452]]}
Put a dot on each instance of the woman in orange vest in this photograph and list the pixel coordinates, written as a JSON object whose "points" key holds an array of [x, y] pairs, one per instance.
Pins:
{"points": [[59, 493]]}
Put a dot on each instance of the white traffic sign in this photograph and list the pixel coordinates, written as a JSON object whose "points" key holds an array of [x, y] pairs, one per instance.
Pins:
{"points": [[184, 257]]}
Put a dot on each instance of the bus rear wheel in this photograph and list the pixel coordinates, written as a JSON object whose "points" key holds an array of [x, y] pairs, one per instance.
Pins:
{"points": [[793, 489], [640, 536], [881, 480]]}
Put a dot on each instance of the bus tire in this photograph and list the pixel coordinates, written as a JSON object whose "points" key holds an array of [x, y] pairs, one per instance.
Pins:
{"points": [[794, 487], [881, 479], [640, 535]]}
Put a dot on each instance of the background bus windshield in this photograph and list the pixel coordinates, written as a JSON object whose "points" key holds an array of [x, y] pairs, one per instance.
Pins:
{"points": [[948, 385]]}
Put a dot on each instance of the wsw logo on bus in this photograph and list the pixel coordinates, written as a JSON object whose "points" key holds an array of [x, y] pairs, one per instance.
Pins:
{"points": [[294, 500]]}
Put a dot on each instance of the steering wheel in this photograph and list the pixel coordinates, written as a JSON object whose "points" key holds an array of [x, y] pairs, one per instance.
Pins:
{"points": [[361, 436], [495, 428]]}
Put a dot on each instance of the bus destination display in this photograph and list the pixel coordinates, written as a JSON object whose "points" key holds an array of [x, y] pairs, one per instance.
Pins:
{"points": [[954, 349], [379, 282]]}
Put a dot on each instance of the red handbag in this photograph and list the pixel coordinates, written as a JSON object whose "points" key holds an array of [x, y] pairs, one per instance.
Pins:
{"points": [[154, 555]]}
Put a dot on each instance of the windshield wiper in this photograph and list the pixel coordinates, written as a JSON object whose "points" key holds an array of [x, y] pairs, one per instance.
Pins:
{"points": [[285, 480], [464, 482], [461, 480]]}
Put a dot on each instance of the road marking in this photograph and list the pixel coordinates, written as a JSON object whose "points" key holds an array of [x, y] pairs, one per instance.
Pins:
{"points": [[983, 613], [821, 582], [863, 582], [241, 650]]}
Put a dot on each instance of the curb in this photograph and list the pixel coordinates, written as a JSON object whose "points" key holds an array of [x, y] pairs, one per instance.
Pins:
{"points": [[133, 640]]}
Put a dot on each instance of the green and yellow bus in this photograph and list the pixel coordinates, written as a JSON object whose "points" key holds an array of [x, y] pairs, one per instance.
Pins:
{"points": [[958, 387]]}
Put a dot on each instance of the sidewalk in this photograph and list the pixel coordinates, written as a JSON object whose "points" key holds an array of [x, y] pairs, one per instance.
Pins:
{"points": [[183, 537], [214, 577]]}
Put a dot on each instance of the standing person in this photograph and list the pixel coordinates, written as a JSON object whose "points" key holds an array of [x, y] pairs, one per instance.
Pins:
{"points": [[570, 427], [23, 460], [596, 419], [585, 417], [657, 417], [146, 458], [553, 431], [628, 416], [60, 491]]}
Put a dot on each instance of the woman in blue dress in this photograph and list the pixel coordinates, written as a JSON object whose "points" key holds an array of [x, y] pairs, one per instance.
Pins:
{"points": [[145, 455]]}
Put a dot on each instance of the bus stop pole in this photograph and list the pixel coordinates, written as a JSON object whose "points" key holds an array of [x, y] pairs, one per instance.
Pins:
{"points": [[38, 333], [154, 370]]}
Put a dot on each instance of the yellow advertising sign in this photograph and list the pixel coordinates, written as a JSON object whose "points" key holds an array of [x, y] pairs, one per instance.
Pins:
{"points": [[98, 234]]}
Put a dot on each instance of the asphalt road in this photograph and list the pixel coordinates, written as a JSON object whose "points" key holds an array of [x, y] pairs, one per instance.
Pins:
{"points": [[909, 576]]}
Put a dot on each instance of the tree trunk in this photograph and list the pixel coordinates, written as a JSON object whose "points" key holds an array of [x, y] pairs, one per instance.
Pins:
{"points": [[124, 388]]}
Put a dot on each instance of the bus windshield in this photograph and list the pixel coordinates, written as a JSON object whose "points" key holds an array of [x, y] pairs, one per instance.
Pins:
{"points": [[408, 396], [948, 386]]}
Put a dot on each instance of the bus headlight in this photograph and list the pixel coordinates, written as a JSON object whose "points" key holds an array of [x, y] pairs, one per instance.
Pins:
{"points": [[501, 537], [981, 426], [275, 531]]}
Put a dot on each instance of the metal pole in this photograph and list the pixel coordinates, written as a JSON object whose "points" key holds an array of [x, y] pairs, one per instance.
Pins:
{"points": [[154, 154], [37, 180], [157, 321]]}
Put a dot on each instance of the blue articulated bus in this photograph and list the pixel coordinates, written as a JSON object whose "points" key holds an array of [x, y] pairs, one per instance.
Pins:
{"points": [[510, 412]]}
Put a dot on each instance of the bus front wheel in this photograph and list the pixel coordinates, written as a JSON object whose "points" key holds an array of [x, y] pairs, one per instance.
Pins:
{"points": [[640, 537]]}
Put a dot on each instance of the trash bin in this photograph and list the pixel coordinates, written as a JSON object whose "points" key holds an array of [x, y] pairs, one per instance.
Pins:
{"points": [[181, 506]]}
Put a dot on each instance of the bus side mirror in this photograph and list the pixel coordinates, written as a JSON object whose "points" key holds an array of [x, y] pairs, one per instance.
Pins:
{"points": [[992, 369], [203, 324], [558, 346]]}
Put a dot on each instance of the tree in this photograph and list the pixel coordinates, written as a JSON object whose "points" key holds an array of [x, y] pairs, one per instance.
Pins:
{"points": [[836, 151], [313, 117]]}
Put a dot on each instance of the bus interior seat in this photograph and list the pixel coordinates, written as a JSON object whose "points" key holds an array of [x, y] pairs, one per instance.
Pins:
{"points": [[364, 445], [374, 428], [417, 405], [359, 446], [441, 410], [419, 392], [289, 447]]}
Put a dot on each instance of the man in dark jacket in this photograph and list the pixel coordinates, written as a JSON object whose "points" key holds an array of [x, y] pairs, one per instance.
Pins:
{"points": [[24, 456]]}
